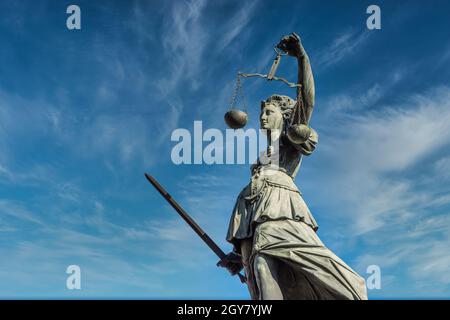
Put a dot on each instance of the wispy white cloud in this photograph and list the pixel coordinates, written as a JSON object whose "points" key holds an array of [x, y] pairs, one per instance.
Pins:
{"points": [[342, 46], [237, 24], [420, 254], [124, 137], [17, 211], [372, 158], [442, 167], [350, 102], [184, 42], [367, 155], [104, 249], [383, 143], [19, 118]]}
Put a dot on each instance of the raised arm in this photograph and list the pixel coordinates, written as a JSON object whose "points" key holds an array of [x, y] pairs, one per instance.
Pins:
{"points": [[292, 45], [306, 78], [299, 133]]}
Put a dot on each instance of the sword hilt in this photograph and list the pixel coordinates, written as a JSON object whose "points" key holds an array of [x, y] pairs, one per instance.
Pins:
{"points": [[242, 278]]}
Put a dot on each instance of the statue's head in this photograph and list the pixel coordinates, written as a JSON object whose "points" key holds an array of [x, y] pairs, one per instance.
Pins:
{"points": [[275, 112]]}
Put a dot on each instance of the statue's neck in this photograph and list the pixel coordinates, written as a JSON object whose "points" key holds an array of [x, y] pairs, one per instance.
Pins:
{"points": [[273, 136]]}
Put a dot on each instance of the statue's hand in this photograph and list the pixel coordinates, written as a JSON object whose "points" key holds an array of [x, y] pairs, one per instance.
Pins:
{"points": [[298, 133], [290, 44], [232, 262]]}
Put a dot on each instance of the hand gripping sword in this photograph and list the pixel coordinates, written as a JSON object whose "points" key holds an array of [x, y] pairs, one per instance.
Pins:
{"points": [[202, 234]]}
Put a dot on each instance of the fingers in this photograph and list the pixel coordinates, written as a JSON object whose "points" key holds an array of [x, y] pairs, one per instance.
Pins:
{"points": [[233, 268], [296, 36], [289, 44], [232, 262], [234, 257], [290, 38]]}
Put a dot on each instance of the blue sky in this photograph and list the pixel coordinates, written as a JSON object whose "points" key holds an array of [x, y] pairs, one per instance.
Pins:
{"points": [[83, 114]]}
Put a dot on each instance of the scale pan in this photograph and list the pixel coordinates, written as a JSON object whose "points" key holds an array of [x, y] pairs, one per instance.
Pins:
{"points": [[236, 119]]}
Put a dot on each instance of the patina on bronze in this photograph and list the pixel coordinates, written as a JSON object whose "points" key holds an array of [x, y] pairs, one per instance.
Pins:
{"points": [[271, 228], [236, 119]]}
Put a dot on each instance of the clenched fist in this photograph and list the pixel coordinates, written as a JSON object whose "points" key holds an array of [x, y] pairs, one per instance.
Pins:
{"points": [[290, 44], [232, 262]]}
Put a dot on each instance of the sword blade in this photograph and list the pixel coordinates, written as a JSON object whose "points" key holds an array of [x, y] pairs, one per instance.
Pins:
{"points": [[186, 217]]}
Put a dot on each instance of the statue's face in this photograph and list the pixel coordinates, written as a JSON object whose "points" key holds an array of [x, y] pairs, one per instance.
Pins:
{"points": [[271, 117]]}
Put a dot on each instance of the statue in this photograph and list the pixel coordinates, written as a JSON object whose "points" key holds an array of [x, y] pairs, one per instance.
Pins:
{"points": [[272, 231]]}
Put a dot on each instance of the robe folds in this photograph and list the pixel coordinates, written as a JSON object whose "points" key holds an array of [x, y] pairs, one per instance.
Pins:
{"points": [[270, 213]]}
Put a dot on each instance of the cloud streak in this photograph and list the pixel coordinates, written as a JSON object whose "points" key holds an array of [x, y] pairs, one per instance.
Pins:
{"points": [[343, 46], [373, 158]]}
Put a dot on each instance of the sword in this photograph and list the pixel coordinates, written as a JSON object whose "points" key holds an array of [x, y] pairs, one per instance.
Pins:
{"points": [[202, 234]]}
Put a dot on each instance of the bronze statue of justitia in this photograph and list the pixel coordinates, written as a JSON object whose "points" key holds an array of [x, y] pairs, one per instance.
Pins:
{"points": [[272, 231]]}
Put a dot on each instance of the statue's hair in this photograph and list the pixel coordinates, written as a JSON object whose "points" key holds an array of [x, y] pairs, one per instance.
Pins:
{"points": [[284, 103]]}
